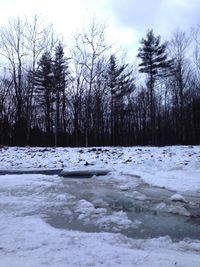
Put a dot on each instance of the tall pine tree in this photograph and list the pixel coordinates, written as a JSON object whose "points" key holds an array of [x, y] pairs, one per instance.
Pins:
{"points": [[155, 64], [120, 84], [60, 78], [44, 86]]}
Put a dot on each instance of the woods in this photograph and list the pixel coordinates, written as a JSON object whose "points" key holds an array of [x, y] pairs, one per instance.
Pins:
{"points": [[88, 95]]}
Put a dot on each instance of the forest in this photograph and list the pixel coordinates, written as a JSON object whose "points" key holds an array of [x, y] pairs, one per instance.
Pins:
{"points": [[88, 94]]}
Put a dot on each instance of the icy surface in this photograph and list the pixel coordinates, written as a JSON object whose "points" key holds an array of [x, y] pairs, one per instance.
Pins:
{"points": [[177, 197], [28, 240], [38, 244], [176, 168], [172, 209]]}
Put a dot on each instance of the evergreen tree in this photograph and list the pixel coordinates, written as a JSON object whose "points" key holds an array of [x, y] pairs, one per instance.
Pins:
{"points": [[155, 64], [44, 86], [60, 79], [120, 84]]}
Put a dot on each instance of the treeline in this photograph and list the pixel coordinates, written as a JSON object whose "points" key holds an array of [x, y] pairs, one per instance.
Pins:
{"points": [[87, 95]]}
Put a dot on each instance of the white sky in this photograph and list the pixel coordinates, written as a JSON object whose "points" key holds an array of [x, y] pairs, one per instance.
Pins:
{"points": [[128, 19]]}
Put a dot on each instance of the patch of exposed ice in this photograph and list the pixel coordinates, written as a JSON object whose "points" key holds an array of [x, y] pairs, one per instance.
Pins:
{"points": [[116, 221], [98, 216], [177, 197], [124, 187], [163, 207], [190, 245], [139, 196], [87, 211], [84, 206]]}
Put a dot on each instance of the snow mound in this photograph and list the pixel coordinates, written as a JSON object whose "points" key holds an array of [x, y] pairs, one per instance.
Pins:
{"points": [[87, 211], [177, 197], [139, 196], [116, 221], [163, 207]]}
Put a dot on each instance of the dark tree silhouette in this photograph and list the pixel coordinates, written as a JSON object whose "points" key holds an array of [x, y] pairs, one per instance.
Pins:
{"points": [[61, 72], [155, 64], [120, 84], [44, 87]]}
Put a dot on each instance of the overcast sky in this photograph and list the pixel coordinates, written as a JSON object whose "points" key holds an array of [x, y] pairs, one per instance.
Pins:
{"points": [[128, 19]]}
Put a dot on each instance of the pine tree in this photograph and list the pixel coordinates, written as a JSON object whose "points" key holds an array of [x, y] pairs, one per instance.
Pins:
{"points": [[60, 79], [155, 64], [120, 85], [44, 86]]}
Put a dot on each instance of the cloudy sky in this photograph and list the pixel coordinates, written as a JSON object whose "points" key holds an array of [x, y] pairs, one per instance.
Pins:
{"points": [[128, 19]]}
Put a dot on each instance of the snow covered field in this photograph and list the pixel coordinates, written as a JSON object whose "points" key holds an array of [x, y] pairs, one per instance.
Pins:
{"points": [[176, 168], [27, 239]]}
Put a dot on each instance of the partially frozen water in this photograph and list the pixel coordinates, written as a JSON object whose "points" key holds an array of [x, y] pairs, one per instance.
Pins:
{"points": [[147, 220], [104, 204]]}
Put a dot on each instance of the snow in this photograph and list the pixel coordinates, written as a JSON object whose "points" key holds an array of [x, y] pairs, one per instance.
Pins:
{"points": [[180, 180], [27, 239], [176, 168], [138, 196], [177, 197], [162, 207], [38, 244], [116, 221]]}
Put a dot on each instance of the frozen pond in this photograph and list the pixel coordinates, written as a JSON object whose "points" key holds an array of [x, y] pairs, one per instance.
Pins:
{"points": [[138, 202], [103, 204]]}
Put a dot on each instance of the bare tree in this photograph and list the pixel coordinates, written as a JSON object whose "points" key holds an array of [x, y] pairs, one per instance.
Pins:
{"points": [[179, 48], [91, 46], [77, 94], [196, 39], [13, 50], [36, 36], [5, 103]]}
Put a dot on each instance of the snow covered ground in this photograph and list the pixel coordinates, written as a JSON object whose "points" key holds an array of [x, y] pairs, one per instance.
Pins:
{"points": [[176, 168], [27, 239]]}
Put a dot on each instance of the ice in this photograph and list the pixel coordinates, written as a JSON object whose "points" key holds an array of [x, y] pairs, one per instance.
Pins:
{"points": [[85, 207], [87, 211], [139, 196], [163, 207], [124, 187], [39, 244], [118, 220], [177, 197], [175, 168], [27, 240]]}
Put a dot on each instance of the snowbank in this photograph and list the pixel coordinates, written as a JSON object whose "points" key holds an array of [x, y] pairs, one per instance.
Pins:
{"points": [[176, 168], [39, 245]]}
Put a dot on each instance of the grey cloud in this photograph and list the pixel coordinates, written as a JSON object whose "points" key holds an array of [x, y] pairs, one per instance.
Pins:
{"points": [[161, 15]]}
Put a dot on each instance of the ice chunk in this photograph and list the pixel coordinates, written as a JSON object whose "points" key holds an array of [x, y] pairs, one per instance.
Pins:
{"points": [[172, 209], [139, 196], [177, 197]]}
